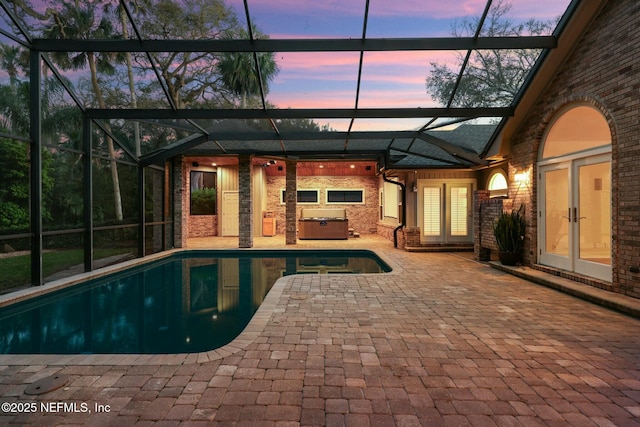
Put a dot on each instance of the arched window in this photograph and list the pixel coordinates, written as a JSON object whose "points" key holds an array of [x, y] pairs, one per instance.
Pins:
{"points": [[498, 186], [579, 129]]}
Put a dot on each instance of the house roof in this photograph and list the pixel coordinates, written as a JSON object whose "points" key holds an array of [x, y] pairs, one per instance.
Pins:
{"points": [[371, 56]]}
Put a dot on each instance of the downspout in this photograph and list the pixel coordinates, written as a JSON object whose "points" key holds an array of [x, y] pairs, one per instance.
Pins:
{"points": [[404, 208]]}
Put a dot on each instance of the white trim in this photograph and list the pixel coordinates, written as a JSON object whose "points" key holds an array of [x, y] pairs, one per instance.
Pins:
{"points": [[605, 149], [498, 192]]}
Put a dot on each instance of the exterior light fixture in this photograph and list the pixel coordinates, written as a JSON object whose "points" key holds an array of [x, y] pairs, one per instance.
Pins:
{"points": [[522, 178]]}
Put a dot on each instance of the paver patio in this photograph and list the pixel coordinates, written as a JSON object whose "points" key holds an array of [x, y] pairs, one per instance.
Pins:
{"points": [[440, 341]]}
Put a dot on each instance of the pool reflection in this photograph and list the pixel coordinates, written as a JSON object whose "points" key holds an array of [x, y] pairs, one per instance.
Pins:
{"points": [[172, 306]]}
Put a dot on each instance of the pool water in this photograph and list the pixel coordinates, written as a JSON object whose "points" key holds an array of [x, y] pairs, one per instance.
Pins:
{"points": [[192, 301]]}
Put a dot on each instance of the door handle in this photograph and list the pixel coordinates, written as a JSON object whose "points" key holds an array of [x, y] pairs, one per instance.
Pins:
{"points": [[575, 215]]}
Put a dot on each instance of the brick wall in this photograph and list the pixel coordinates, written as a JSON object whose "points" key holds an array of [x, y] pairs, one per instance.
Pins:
{"points": [[203, 225], [362, 218], [192, 225], [485, 213], [386, 231], [604, 71]]}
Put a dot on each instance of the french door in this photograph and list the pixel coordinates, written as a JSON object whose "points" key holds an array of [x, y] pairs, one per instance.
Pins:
{"points": [[445, 211], [575, 215]]}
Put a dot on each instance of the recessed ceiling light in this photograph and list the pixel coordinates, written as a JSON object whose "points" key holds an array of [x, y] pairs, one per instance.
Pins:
{"points": [[352, 166], [321, 166]]}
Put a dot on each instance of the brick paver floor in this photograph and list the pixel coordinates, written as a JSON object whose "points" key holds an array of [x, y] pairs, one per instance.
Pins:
{"points": [[441, 341]]}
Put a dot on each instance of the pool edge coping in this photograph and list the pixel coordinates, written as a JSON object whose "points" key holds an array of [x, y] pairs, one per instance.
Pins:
{"points": [[249, 334]]}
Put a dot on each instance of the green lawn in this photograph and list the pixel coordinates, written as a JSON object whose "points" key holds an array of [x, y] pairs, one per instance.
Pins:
{"points": [[16, 270]]}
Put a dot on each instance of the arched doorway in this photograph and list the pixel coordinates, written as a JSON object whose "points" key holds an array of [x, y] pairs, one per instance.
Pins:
{"points": [[574, 195]]}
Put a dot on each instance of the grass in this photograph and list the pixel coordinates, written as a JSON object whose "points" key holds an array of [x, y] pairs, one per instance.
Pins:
{"points": [[16, 270]]}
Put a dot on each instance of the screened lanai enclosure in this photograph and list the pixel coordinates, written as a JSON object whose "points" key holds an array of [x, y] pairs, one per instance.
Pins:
{"points": [[101, 100]]}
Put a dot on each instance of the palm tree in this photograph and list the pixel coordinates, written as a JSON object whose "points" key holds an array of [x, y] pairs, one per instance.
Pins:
{"points": [[10, 61], [239, 73], [78, 21], [140, 7]]}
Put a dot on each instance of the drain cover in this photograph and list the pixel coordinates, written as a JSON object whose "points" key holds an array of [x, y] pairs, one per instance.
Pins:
{"points": [[46, 384]]}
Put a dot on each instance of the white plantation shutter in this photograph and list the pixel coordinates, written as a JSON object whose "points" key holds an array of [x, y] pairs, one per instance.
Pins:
{"points": [[459, 202], [432, 204]]}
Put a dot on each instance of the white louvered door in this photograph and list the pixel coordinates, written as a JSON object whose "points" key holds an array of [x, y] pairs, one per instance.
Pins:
{"points": [[445, 211]]}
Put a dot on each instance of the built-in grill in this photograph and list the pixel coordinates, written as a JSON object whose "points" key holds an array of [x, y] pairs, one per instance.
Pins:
{"points": [[323, 223]]}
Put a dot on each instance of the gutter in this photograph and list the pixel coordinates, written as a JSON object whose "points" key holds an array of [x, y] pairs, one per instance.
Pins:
{"points": [[404, 207]]}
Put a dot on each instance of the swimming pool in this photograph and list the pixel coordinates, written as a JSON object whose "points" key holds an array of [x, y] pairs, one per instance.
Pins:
{"points": [[191, 301]]}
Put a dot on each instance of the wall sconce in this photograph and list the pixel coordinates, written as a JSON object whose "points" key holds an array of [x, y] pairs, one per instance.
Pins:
{"points": [[521, 178]]}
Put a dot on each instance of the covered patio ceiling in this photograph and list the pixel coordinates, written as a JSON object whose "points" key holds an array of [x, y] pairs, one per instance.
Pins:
{"points": [[354, 69]]}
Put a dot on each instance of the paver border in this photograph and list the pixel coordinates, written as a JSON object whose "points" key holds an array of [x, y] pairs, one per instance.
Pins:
{"points": [[252, 331]]}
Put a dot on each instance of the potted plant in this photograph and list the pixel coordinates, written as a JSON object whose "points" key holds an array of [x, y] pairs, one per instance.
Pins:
{"points": [[509, 231]]}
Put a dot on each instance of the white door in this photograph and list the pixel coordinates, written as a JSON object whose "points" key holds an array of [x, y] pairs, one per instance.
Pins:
{"points": [[460, 212], [230, 212], [445, 211], [575, 216]]}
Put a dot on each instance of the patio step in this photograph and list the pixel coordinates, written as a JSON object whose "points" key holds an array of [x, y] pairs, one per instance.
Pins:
{"points": [[449, 247]]}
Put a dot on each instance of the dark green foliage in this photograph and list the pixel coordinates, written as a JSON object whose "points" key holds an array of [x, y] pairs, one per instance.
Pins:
{"points": [[203, 201], [509, 230]]}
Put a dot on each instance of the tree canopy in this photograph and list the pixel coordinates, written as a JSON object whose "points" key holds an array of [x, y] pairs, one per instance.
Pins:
{"points": [[492, 78]]}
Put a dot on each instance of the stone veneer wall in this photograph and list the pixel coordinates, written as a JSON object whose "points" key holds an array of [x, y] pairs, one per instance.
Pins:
{"points": [[604, 71], [179, 211], [362, 218], [245, 202]]}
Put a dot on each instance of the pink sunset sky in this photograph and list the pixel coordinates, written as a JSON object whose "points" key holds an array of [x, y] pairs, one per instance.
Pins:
{"points": [[389, 79]]}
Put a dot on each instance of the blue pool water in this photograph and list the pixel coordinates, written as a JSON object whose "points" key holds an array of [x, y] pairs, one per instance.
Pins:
{"points": [[189, 302]]}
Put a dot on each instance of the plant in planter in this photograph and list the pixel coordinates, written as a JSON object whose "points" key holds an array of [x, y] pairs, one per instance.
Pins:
{"points": [[509, 231]]}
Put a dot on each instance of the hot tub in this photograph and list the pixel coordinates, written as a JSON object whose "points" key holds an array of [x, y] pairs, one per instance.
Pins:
{"points": [[319, 223]]}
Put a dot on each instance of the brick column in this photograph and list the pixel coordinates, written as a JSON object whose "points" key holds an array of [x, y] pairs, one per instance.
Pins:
{"points": [[179, 203], [411, 236], [480, 252], [245, 219], [292, 199]]}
